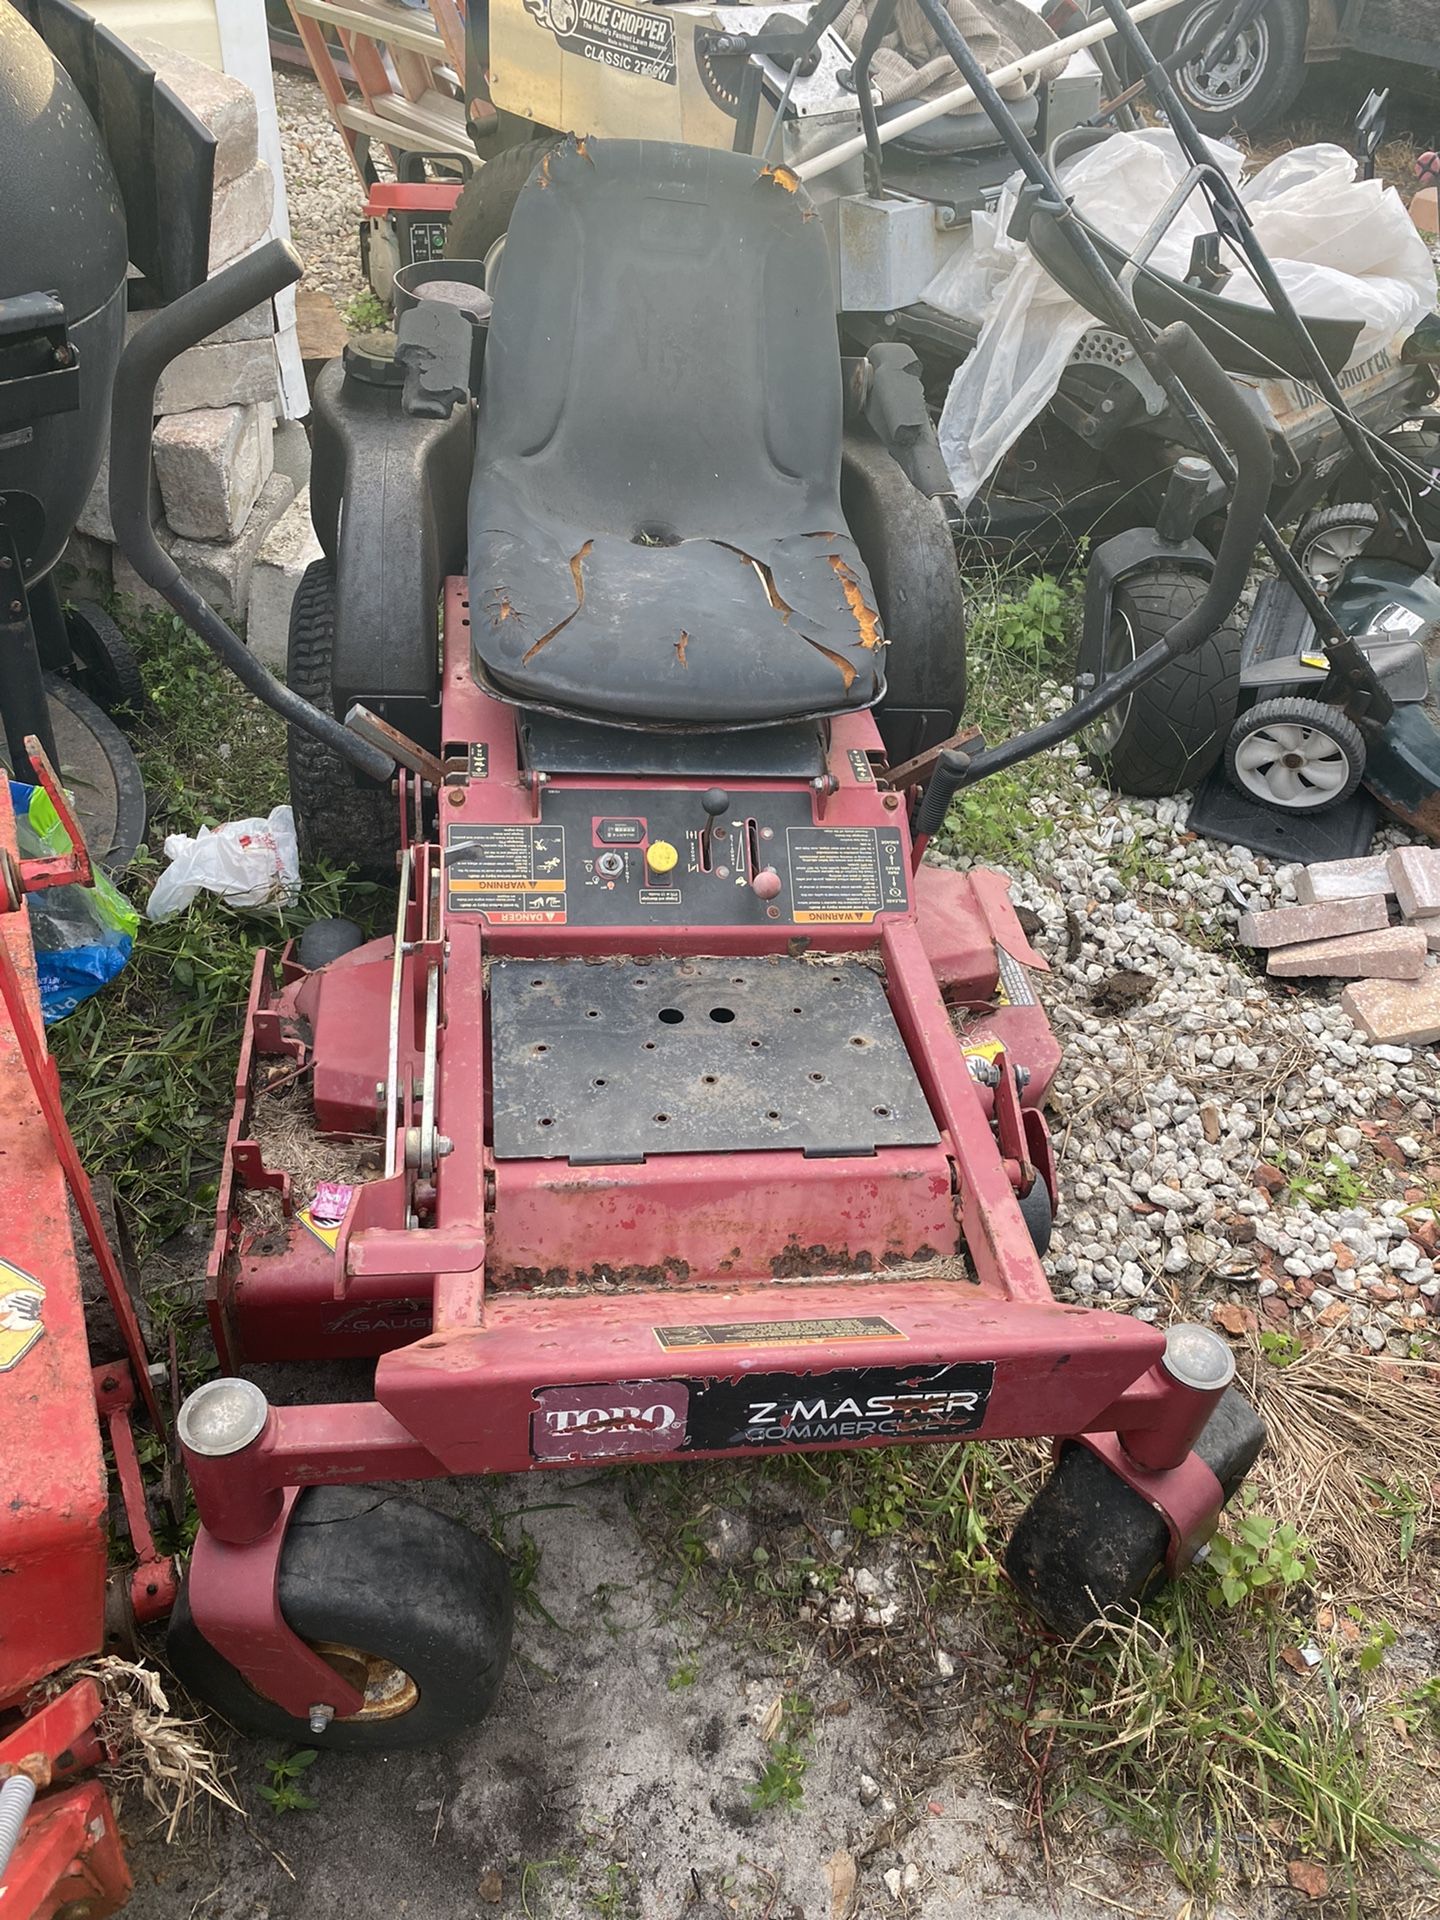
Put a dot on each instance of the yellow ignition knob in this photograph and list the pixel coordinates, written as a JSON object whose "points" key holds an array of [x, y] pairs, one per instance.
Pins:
{"points": [[661, 857]]}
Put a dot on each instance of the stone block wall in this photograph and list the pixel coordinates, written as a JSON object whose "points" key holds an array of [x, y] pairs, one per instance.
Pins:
{"points": [[229, 472]]}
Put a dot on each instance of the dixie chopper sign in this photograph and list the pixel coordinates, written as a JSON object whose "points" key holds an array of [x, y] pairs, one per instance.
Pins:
{"points": [[621, 1420], [639, 40]]}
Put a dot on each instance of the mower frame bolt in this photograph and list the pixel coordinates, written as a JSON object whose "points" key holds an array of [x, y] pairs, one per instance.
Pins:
{"points": [[320, 1716]]}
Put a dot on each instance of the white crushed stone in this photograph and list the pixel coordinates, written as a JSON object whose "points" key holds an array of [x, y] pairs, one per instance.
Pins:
{"points": [[322, 188], [1162, 1115]]}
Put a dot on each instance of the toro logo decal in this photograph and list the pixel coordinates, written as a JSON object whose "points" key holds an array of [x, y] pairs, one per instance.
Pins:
{"points": [[638, 40], [614, 1420], [21, 1300]]}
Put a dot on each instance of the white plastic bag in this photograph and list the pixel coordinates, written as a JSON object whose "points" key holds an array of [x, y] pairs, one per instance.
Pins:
{"points": [[1342, 247], [249, 863]]}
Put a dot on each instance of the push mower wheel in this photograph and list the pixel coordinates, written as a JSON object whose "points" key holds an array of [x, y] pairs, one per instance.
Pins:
{"points": [[482, 213], [106, 670], [1295, 755], [1168, 735], [409, 1604], [1329, 540], [1087, 1542], [337, 819]]}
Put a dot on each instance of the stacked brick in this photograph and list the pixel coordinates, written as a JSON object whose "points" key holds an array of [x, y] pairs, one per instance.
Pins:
{"points": [[1342, 930]]}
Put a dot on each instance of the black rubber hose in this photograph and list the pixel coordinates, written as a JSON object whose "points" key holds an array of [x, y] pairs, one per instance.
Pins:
{"points": [[1241, 427], [184, 323]]}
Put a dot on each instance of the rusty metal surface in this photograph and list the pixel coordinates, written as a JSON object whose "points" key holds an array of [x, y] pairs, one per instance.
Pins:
{"points": [[611, 1063]]}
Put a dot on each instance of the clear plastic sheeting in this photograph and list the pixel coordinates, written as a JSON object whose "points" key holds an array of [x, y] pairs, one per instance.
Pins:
{"points": [[1343, 248]]}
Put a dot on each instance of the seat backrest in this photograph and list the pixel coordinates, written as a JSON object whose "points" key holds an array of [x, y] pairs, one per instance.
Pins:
{"points": [[662, 361]]}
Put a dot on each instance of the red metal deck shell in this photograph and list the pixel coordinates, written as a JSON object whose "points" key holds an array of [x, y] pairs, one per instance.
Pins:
{"points": [[52, 1475]]}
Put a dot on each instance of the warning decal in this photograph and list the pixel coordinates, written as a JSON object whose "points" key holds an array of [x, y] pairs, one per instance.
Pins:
{"points": [[507, 873], [21, 1299], [639, 40], [840, 874]]}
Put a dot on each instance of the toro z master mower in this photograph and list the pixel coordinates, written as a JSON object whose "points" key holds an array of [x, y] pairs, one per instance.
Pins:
{"points": [[685, 1114]]}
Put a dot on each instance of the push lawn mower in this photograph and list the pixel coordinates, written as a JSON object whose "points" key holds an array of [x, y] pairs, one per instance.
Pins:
{"points": [[686, 1114]]}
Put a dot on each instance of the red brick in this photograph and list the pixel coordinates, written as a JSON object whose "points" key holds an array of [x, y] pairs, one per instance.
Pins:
{"points": [[1290, 926], [1342, 879], [1397, 953], [1395, 1012], [1415, 876]]}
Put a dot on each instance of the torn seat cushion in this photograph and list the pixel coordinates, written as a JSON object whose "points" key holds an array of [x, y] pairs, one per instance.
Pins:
{"points": [[656, 535]]}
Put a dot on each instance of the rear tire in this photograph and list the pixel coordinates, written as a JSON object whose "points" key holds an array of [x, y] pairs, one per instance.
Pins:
{"points": [[1171, 731], [909, 552], [487, 200], [376, 1575], [1088, 1542], [337, 818], [105, 668]]}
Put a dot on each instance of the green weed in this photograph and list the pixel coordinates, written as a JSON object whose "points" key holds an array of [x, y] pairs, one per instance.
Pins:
{"points": [[1258, 1559], [283, 1794], [1331, 1183], [365, 313], [1281, 1349]]}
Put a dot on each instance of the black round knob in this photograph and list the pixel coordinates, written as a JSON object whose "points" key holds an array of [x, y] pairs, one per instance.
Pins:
{"points": [[715, 801]]}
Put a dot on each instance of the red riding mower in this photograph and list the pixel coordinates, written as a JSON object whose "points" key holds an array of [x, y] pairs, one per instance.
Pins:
{"points": [[686, 1114]]}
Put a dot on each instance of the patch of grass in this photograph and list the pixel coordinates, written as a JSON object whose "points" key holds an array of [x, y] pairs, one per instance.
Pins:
{"points": [[683, 1674], [149, 1064]]}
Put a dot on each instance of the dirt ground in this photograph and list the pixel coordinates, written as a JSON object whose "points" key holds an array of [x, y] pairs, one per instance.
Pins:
{"points": [[601, 1787]]}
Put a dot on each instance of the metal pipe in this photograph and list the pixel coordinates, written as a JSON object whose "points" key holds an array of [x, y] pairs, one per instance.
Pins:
{"points": [[184, 323], [397, 981], [926, 110], [17, 1796]]}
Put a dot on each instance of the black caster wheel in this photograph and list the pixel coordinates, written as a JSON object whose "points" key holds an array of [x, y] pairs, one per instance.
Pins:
{"points": [[1087, 1542], [407, 1604], [326, 940], [105, 669]]}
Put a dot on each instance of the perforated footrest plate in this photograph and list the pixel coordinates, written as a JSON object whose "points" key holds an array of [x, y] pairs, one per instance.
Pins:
{"points": [[606, 1062]]}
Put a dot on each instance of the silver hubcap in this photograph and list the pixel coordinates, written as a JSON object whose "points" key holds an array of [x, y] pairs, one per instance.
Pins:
{"points": [[1290, 765], [1224, 77]]}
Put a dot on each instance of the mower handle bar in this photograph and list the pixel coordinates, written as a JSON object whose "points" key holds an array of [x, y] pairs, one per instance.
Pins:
{"points": [[1241, 426], [185, 323]]}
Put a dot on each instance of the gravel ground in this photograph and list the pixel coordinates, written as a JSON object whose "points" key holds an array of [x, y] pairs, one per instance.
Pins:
{"points": [[1187, 1122], [322, 189]]}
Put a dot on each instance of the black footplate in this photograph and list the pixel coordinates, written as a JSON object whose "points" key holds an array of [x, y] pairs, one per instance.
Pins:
{"points": [[604, 1063]]}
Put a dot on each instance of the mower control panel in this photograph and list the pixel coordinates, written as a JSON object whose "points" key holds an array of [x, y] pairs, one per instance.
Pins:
{"points": [[666, 857]]}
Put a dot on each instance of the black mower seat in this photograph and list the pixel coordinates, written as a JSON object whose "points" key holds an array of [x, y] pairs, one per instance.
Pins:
{"points": [[656, 536]]}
